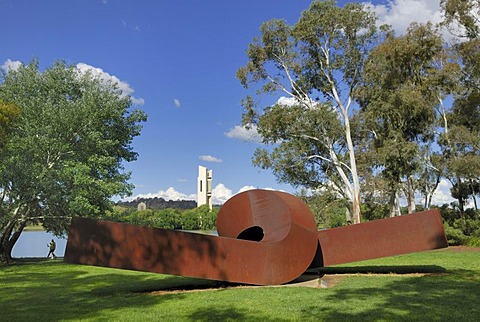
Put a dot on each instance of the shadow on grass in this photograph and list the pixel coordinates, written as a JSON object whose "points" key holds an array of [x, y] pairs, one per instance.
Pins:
{"points": [[396, 269], [453, 297], [215, 313], [48, 290]]}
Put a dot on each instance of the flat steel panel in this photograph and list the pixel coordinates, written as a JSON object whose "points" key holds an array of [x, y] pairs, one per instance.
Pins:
{"points": [[381, 238]]}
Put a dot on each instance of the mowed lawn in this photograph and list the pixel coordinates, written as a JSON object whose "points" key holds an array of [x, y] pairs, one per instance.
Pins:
{"points": [[441, 285]]}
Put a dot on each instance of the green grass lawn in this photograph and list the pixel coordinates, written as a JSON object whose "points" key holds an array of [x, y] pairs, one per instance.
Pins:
{"points": [[389, 289]]}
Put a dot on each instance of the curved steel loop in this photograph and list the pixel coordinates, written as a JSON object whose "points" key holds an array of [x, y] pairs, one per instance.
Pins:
{"points": [[282, 254]]}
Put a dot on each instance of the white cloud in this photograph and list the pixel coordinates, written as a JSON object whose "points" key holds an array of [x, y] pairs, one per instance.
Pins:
{"points": [[442, 195], [220, 194], [246, 188], [287, 101], [291, 101], [11, 65], [400, 13], [169, 194], [176, 102], [244, 134], [106, 77], [209, 158]]}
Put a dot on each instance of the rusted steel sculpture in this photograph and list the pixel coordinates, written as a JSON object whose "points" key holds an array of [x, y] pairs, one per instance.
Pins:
{"points": [[265, 238]]}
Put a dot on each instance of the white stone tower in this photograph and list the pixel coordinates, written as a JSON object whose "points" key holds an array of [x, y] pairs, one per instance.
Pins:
{"points": [[142, 206], [204, 187]]}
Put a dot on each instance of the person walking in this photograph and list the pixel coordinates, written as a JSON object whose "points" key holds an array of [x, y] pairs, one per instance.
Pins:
{"points": [[52, 247]]}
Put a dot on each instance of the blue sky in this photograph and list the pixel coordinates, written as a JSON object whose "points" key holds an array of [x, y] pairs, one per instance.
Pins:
{"points": [[177, 59]]}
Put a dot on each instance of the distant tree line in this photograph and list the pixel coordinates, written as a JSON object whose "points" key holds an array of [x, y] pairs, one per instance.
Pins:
{"points": [[158, 203], [201, 218]]}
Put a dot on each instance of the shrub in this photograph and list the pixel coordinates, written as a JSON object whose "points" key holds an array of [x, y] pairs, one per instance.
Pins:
{"points": [[473, 242], [455, 236]]}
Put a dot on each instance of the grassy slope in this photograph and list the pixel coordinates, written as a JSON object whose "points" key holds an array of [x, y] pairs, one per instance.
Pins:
{"points": [[52, 291]]}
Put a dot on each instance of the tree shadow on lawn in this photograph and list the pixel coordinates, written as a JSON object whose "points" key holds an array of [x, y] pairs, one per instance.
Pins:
{"points": [[452, 296], [384, 269], [215, 313], [50, 291]]}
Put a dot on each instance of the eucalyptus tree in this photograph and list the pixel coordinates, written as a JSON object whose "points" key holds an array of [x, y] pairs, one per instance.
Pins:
{"points": [[462, 17], [65, 152], [461, 147], [404, 85], [317, 63], [460, 140]]}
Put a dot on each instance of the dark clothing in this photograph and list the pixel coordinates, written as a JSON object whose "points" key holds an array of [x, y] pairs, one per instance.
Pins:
{"points": [[52, 247]]}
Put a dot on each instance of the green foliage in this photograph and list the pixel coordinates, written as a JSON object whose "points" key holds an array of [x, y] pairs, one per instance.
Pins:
{"points": [[373, 211], [8, 113], [402, 85], [66, 149], [473, 241], [461, 228], [328, 210], [201, 218], [455, 236], [464, 13], [469, 227], [295, 159]]}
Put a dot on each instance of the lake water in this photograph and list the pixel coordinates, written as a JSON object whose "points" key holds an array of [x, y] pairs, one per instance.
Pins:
{"points": [[35, 244]]}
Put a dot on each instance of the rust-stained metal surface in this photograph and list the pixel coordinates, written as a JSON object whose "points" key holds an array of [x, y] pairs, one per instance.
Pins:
{"points": [[284, 252], [265, 238], [381, 238]]}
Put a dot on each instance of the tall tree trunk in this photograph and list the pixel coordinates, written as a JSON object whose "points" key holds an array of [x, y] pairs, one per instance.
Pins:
{"points": [[429, 201], [427, 197], [394, 203], [432, 191], [4, 241], [410, 194], [9, 236], [348, 215], [472, 189], [13, 240], [356, 212], [461, 202]]}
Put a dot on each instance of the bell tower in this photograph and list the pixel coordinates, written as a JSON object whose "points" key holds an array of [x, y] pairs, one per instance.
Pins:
{"points": [[204, 187]]}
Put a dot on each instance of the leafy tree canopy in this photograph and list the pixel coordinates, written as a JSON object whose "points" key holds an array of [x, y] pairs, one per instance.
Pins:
{"points": [[65, 152], [7, 113]]}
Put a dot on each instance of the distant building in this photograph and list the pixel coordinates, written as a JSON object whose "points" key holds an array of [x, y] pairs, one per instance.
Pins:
{"points": [[142, 206], [204, 187]]}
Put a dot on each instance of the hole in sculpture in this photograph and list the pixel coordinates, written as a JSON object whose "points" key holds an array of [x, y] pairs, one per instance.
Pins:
{"points": [[254, 233]]}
